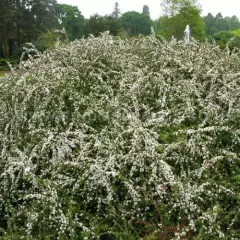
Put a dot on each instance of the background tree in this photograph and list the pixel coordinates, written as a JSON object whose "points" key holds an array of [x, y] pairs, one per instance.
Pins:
{"points": [[146, 10], [229, 39], [7, 16], [173, 7], [24, 20], [71, 20], [223, 38], [43, 15], [233, 22], [136, 23], [175, 25], [156, 25], [219, 24], [209, 21], [116, 12], [50, 39], [98, 24], [236, 32]]}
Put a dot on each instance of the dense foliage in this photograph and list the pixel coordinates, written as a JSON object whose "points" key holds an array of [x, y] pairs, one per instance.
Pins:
{"points": [[173, 7], [218, 23], [121, 139], [71, 20], [36, 21], [136, 23], [97, 24], [175, 25], [177, 14], [230, 39], [23, 21]]}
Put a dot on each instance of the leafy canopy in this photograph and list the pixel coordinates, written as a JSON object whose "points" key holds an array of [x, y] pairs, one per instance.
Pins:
{"points": [[136, 23], [175, 25], [71, 20]]}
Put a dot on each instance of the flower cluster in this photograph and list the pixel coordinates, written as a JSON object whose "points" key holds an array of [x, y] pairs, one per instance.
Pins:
{"points": [[104, 133]]}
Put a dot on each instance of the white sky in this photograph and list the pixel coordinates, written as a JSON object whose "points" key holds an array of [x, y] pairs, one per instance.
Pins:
{"points": [[102, 7]]}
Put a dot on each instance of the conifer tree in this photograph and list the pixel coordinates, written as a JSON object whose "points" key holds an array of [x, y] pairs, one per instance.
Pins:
{"points": [[116, 13], [146, 10]]}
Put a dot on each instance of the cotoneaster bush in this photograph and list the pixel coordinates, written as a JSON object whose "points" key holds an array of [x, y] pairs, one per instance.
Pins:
{"points": [[121, 139]]}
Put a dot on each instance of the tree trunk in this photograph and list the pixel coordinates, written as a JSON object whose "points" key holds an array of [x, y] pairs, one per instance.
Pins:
{"points": [[1, 49], [5, 45], [11, 46], [19, 10]]}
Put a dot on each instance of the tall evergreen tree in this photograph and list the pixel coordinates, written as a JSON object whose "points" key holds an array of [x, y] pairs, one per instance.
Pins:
{"points": [[221, 24], [233, 22], [209, 21], [146, 10], [218, 23], [219, 16], [116, 12]]}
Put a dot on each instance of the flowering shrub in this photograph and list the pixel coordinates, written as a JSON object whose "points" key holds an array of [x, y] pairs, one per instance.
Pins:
{"points": [[121, 139]]}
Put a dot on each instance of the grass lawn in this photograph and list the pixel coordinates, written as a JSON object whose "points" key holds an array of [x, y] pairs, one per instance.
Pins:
{"points": [[2, 73]]}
